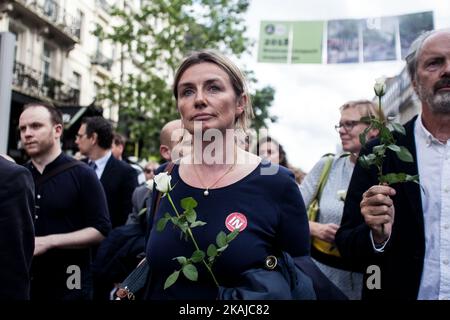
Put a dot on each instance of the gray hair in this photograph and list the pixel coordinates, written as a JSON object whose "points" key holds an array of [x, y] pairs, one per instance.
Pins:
{"points": [[415, 49]]}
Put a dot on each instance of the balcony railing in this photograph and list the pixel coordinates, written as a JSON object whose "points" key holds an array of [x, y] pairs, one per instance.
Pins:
{"points": [[56, 15], [35, 83]]}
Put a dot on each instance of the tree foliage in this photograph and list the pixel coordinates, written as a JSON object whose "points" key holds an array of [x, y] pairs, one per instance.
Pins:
{"points": [[156, 38]]}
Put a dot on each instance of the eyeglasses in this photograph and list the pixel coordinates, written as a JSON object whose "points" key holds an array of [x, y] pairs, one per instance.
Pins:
{"points": [[348, 125], [148, 170]]}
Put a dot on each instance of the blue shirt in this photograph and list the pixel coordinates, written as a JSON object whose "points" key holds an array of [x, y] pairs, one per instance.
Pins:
{"points": [[276, 220]]}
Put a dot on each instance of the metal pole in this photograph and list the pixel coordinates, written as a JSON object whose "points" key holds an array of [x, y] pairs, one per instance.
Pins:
{"points": [[7, 44]]}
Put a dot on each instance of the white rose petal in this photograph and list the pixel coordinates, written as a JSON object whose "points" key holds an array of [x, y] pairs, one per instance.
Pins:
{"points": [[380, 86], [162, 181]]}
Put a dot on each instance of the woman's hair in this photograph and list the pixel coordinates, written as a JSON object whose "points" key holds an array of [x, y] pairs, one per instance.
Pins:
{"points": [[236, 76], [366, 108]]}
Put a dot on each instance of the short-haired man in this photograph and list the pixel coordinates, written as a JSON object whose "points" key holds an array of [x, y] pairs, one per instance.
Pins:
{"points": [[403, 229], [118, 178], [71, 213]]}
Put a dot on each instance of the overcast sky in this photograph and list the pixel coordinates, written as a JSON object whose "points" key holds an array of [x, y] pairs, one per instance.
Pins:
{"points": [[308, 96]]}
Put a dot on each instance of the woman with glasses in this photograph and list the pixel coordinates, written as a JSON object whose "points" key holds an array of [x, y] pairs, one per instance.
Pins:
{"points": [[332, 196]]}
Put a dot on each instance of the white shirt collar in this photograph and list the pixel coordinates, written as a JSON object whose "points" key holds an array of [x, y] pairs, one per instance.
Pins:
{"points": [[423, 133], [101, 163]]}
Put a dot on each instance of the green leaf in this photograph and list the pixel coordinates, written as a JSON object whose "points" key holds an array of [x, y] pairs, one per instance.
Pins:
{"points": [[391, 178], [171, 279], [367, 160], [188, 203], [183, 227], [366, 119], [232, 235], [190, 272], [385, 135], [405, 155], [191, 215], [362, 138], [414, 178], [394, 147], [212, 250], [181, 260], [399, 128], [221, 239], [379, 150], [197, 256], [197, 223], [221, 249], [161, 225]]}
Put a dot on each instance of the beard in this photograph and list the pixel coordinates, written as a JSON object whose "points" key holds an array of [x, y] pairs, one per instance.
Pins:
{"points": [[40, 148], [439, 102]]}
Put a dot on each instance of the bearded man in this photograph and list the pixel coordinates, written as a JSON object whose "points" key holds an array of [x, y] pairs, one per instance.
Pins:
{"points": [[402, 231]]}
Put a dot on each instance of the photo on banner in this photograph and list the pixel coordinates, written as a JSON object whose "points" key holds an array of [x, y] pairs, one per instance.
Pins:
{"points": [[379, 36], [411, 25], [343, 41]]}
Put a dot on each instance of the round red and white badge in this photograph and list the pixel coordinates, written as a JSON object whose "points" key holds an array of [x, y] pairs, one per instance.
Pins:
{"points": [[236, 220]]}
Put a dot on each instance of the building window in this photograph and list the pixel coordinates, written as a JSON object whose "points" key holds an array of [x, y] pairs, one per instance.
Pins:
{"points": [[51, 10], [78, 25], [76, 87], [47, 55]]}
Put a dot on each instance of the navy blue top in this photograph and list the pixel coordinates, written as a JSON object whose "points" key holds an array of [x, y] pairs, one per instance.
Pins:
{"points": [[69, 201], [276, 220]]}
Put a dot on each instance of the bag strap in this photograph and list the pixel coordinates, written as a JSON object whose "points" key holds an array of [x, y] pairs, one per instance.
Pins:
{"points": [[323, 176], [59, 169]]}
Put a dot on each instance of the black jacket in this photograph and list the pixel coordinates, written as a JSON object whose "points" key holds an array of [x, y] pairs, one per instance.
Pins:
{"points": [[119, 180], [16, 230], [401, 263]]}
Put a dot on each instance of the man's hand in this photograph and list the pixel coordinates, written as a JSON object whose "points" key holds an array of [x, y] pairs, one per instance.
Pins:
{"points": [[323, 231], [378, 211], [42, 245]]}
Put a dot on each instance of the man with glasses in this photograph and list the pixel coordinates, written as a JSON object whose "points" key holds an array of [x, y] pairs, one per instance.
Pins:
{"points": [[403, 230], [94, 139]]}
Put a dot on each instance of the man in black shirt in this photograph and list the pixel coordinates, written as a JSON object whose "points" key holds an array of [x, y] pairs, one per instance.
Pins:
{"points": [[71, 211]]}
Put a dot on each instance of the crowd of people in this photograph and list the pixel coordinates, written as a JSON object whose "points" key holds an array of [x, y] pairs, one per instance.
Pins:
{"points": [[234, 219]]}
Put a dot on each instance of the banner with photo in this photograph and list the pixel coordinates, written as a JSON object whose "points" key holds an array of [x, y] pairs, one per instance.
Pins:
{"points": [[347, 40]]}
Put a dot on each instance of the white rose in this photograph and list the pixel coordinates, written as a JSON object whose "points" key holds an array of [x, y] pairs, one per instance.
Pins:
{"points": [[162, 181], [380, 86], [342, 194]]}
